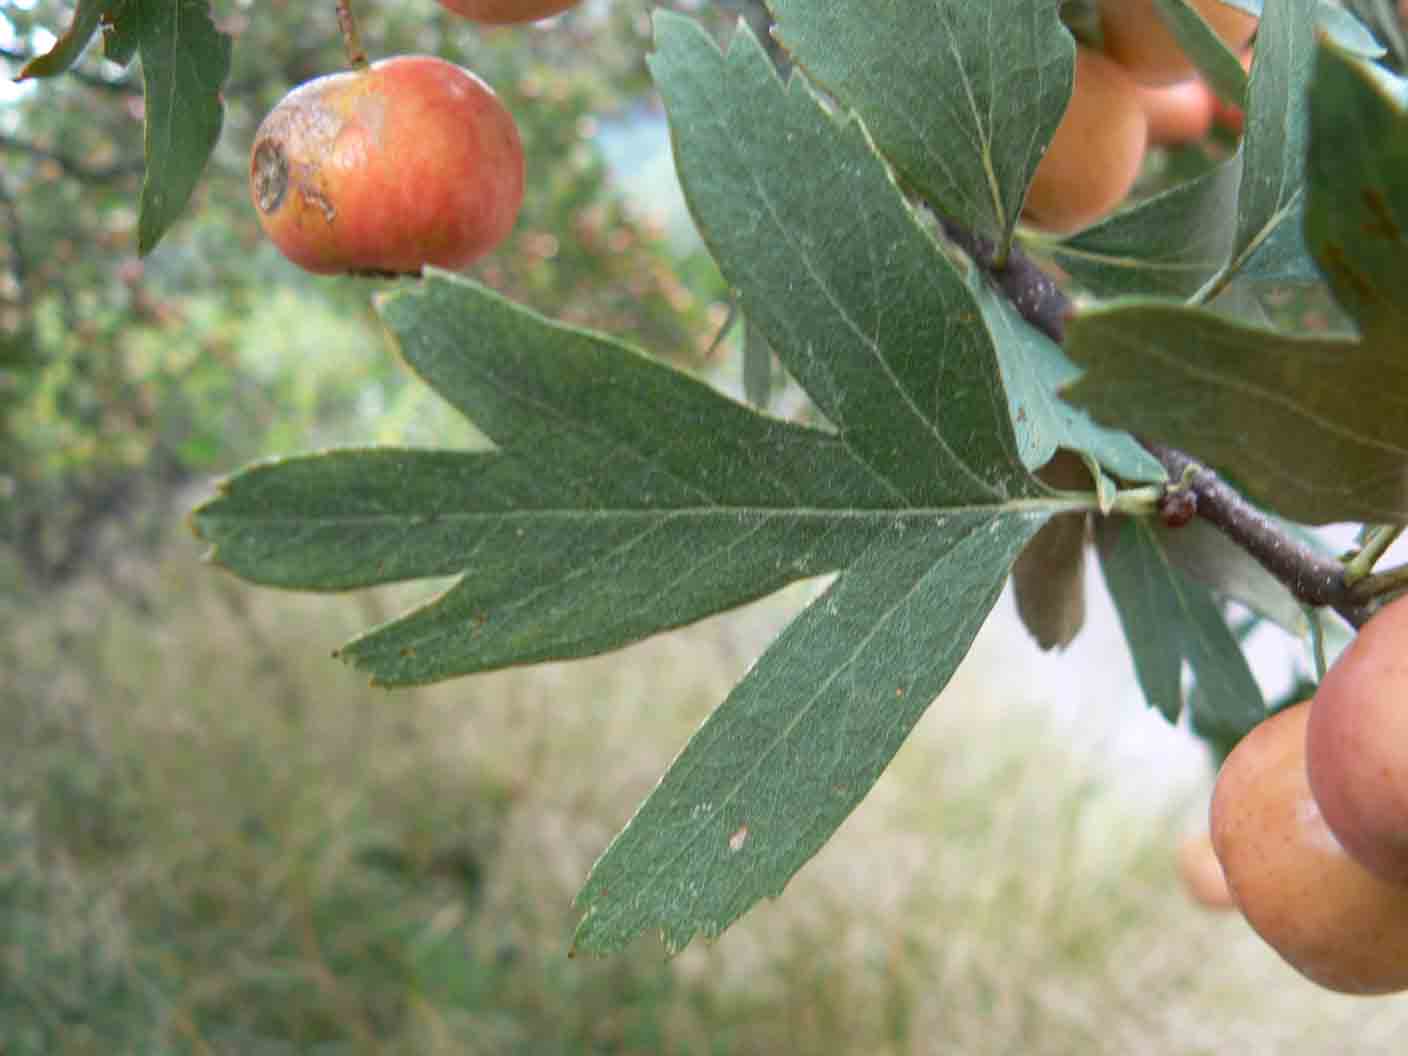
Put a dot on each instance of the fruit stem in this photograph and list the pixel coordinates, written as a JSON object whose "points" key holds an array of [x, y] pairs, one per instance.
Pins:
{"points": [[351, 38], [1376, 540]]}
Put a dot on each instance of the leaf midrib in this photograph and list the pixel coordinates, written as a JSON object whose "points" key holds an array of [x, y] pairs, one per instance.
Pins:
{"points": [[881, 514]]}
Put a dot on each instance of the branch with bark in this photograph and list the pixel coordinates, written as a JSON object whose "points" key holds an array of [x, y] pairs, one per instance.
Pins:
{"points": [[1312, 577]]}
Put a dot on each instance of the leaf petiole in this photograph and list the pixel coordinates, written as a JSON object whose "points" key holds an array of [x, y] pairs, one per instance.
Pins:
{"points": [[1139, 502], [1378, 584], [351, 36], [1377, 540]]}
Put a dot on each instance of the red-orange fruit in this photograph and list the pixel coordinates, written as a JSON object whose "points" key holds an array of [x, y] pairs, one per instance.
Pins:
{"points": [[1332, 920], [411, 161], [1178, 113], [507, 12], [1137, 37], [1357, 744], [1093, 159]]}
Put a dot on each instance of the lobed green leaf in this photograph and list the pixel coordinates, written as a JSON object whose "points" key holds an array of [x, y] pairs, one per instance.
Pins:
{"points": [[872, 319], [623, 497], [1168, 620]]}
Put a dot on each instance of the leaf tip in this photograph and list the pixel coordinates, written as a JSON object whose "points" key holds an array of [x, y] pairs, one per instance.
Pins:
{"points": [[200, 524]]}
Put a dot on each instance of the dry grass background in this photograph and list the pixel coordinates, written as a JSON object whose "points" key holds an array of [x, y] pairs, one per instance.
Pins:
{"points": [[214, 839]]}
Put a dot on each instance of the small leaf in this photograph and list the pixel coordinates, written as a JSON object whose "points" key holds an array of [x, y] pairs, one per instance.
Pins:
{"points": [[1048, 580], [1358, 196], [1169, 244], [1034, 369], [1200, 42], [1313, 429], [185, 61], [1168, 619], [934, 81], [1273, 148], [1205, 554], [70, 44]]}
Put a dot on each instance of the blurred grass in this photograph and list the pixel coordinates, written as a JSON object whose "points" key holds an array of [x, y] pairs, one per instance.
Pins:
{"points": [[214, 839]]}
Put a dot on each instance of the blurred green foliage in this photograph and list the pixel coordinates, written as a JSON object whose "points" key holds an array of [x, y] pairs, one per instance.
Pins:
{"points": [[213, 842], [121, 378]]}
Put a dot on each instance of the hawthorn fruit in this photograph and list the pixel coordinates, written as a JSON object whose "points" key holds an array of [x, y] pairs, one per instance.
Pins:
{"points": [[1137, 37], [1357, 745], [1178, 113], [1093, 159], [507, 12], [381, 171], [1331, 919]]}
